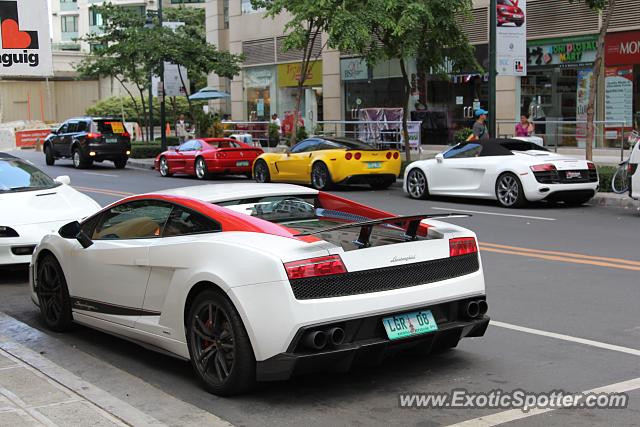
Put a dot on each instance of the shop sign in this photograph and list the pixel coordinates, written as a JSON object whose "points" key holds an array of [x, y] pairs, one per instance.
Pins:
{"points": [[622, 48], [25, 49], [511, 38], [353, 69], [618, 95], [289, 74], [583, 89], [562, 51], [258, 77]]}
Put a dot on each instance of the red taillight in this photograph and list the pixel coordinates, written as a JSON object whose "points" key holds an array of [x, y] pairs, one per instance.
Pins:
{"points": [[221, 155], [93, 135], [312, 267], [396, 155], [348, 156], [357, 156], [547, 167], [389, 155], [126, 134], [631, 168], [462, 246]]}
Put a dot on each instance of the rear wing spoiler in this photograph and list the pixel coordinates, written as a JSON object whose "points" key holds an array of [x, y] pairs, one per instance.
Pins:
{"points": [[366, 227]]}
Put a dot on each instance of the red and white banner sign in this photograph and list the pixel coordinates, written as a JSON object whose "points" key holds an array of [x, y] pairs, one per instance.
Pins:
{"points": [[29, 138], [622, 48]]}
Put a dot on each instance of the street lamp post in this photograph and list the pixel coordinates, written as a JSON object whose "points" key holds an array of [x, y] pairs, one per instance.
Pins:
{"points": [[163, 113], [493, 24]]}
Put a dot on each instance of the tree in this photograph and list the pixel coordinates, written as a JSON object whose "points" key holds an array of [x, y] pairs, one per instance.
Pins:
{"points": [[426, 30], [606, 7], [130, 48], [309, 19]]}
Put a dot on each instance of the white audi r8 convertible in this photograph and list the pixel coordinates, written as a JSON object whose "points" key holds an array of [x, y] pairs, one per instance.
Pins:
{"points": [[511, 171], [31, 205], [258, 282]]}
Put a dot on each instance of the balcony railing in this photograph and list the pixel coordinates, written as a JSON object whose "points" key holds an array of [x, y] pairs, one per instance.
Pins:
{"points": [[69, 36], [68, 6]]}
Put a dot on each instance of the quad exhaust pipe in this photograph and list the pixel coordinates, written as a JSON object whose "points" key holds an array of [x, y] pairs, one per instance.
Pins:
{"points": [[475, 308], [319, 339]]}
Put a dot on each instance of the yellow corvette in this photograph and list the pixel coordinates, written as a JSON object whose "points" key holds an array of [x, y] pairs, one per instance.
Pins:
{"points": [[323, 162]]}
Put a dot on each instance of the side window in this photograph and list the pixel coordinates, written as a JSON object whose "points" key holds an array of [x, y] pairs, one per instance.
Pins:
{"points": [[141, 219], [82, 127], [73, 127], [306, 145], [197, 146], [183, 221], [64, 128], [463, 151], [89, 225], [187, 146]]}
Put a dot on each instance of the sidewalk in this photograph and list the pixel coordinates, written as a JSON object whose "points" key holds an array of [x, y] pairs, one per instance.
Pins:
{"points": [[36, 391]]}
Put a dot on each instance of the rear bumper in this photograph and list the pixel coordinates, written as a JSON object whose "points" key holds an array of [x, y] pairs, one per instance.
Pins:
{"points": [[570, 194], [229, 166], [372, 348], [107, 151], [536, 191]]}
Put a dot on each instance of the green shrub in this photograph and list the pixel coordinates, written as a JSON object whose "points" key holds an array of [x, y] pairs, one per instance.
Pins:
{"points": [[605, 173], [462, 135], [171, 140], [119, 105], [145, 151]]}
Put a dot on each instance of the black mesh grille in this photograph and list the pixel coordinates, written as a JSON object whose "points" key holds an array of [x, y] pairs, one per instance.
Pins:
{"points": [[384, 279], [560, 177]]}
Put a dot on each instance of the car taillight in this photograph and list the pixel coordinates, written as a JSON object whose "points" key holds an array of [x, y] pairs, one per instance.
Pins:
{"points": [[389, 155], [357, 156], [396, 155], [313, 267], [591, 166], [221, 155], [93, 135], [547, 167], [631, 168], [348, 156], [462, 246], [126, 134]]}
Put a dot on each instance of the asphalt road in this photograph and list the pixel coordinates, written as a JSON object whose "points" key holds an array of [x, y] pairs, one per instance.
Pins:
{"points": [[554, 270]]}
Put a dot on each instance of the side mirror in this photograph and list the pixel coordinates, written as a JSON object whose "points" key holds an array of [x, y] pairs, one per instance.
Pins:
{"points": [[70, 230], [439, 157], [84, 240], [63, 179]]}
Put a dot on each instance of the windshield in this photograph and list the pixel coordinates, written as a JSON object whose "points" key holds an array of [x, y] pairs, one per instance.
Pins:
{"points": [[18, 175], [516, 145], [349, 144]]}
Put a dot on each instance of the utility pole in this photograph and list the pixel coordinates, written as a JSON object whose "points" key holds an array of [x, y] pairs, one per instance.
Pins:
{"points": [[163, 113], [151, 108], [493, 24]]}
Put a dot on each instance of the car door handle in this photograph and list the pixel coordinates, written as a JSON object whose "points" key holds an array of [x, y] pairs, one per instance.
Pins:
{"points": [[141, 262]]}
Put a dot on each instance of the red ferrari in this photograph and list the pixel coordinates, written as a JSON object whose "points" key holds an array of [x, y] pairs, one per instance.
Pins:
{"points": [[509, 13], [208, 156]]}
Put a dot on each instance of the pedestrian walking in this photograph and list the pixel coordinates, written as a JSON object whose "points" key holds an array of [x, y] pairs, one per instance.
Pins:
{"points": [[480, 130], [182, 129], [275, 120]]}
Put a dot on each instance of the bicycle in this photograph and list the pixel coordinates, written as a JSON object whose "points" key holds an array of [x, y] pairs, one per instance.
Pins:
{"points": [[620, 180]]}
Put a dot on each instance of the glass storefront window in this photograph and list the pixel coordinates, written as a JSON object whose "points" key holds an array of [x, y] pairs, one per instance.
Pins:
{"points": [[260, 84]]}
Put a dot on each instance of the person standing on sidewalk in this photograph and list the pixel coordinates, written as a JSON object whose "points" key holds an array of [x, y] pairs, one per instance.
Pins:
{"points": [[480, 130], [182, 129]]}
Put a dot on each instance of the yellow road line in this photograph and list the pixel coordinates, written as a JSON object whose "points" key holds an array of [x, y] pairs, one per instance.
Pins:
{"points": [[103, 191], [562, 254], [561, 259]]}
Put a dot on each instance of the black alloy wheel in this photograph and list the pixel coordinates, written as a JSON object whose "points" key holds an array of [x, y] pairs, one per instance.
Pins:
{"points": [[261, 172], [221, 353], [320, 177], [53, 295]]}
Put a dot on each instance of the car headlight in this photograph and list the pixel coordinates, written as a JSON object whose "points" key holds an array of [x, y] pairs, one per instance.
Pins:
{"points": [[8, 232]]}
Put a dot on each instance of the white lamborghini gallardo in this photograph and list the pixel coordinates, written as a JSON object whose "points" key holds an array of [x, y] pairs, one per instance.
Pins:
{"points": [[257, 282]]}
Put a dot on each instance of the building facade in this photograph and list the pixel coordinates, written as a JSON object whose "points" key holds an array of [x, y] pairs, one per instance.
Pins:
{"points": [[561, 42], [49, 100]]}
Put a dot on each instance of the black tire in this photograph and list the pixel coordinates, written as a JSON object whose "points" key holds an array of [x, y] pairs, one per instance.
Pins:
{"points": [[48, 155], [120, 163], [200, 168], [321, 177], [53, 294], [234, 368], [509, 191], [80, 161], [417, 185], [382, 185], [163, 167], [261, 172]]}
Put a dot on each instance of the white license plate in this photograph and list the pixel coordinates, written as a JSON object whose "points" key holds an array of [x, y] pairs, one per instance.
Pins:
{"points": [[572, 175], [111, 140], [242, 163], [409, 324], [374, 165]]}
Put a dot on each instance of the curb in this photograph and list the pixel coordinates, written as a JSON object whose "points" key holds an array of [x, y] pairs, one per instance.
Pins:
{"points": [[140, 163]]}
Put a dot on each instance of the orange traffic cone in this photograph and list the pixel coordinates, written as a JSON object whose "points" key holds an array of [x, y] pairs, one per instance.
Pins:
{"points": [[168, 129]]}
